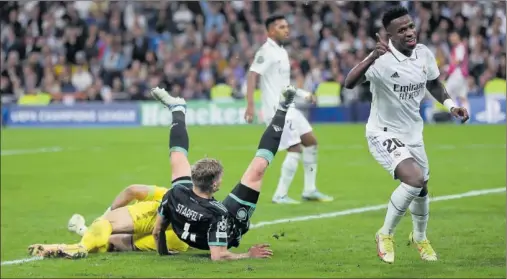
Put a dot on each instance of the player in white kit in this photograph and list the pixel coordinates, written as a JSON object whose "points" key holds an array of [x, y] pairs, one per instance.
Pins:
{"points": [[399, 72], [272, 64], [458, 71]]}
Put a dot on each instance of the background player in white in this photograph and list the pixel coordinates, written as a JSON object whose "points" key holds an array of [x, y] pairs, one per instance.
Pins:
{"points": [[272, 64], [458, 71], [399, 72]]}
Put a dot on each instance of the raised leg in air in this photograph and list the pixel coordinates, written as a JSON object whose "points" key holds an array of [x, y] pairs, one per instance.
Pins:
{"points": [[242, 200], [178, 138]]}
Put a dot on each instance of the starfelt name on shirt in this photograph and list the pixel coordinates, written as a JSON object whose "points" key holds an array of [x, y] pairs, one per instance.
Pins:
{"points": [[188, 213]]}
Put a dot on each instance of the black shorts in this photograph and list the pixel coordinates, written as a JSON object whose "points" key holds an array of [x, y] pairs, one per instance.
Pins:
{"points": [[241, 203]]}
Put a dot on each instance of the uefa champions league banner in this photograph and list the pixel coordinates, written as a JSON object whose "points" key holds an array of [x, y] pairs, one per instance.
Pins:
{"points": [[489, 109], [199, 113], [75, 116]]}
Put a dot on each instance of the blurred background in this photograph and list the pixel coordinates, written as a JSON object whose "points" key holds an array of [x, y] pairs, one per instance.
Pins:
{"points": [[114, 51]]}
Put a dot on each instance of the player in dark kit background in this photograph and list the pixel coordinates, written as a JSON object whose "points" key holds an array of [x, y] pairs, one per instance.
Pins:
{"points": [[189, 206]]}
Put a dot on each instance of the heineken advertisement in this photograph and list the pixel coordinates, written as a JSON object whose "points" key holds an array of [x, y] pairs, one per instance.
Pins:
{"points": [[198, 113]]}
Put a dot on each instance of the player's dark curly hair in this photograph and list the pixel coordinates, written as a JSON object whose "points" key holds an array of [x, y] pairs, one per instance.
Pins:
{"points": [[392, 14], [273, 18]]}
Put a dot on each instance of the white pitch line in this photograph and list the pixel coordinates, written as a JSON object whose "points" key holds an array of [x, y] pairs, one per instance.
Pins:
{"points": [[371, 208], [325, 215], [323, 147], [332, 147], [30, 151], [27, 260]]}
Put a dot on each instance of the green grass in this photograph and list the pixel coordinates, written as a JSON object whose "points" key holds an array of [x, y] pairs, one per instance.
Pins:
{"points": [[39, 193]]}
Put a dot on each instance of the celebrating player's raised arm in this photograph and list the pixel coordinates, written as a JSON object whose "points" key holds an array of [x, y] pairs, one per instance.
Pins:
{"points": [[358, 74], [438, 91]]}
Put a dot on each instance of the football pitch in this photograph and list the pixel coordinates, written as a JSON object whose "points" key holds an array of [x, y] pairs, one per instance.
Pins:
{"points": [[49, 174]]}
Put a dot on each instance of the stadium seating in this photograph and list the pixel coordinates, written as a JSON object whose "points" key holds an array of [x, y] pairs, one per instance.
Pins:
{"points": [[200, 54]]}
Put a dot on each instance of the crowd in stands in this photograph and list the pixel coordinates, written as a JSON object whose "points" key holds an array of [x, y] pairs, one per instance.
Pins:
{"points": [[116, 50]]}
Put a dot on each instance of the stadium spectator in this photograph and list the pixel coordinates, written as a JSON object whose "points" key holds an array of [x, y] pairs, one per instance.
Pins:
{"points": [[115, 50]]}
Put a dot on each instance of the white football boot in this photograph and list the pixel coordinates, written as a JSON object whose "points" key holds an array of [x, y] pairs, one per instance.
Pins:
{"points": [[161, 95]]}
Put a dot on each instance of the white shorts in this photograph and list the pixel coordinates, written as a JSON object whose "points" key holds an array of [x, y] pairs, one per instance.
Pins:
{"points": [[457, 85], [389, 151], [295, 126]]}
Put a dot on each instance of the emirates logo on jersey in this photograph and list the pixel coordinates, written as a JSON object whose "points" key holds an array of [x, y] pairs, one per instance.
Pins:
{"points": [[409, 92]]}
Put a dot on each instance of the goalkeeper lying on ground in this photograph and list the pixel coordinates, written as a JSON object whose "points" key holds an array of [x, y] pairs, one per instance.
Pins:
{"points": [[141, 217], [222, 225]]}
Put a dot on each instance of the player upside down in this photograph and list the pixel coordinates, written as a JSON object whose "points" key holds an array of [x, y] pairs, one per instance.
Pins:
{"points": [[189, 207], [204, 224]]}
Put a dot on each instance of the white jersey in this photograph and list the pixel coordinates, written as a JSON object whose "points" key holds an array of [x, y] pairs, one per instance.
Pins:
{"points": [[273, 65], [398, 85]]}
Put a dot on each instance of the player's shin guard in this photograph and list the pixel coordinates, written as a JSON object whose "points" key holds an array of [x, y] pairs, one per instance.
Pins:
{"points": [[398, 205], [97, 235], [270, 140], [178, 139], [420, 208]]}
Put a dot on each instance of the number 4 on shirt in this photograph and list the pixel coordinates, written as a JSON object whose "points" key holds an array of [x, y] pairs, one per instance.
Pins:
{"points": [[186, 233]]}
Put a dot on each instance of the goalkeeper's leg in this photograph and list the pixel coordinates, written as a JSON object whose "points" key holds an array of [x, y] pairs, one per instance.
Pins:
{"points": [[95, 239]]}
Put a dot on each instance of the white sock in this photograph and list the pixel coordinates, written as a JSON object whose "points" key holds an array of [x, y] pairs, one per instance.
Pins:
{"points": [[289, 168], [420, 209], [401, 198], [310, 167], [179, 108]]}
